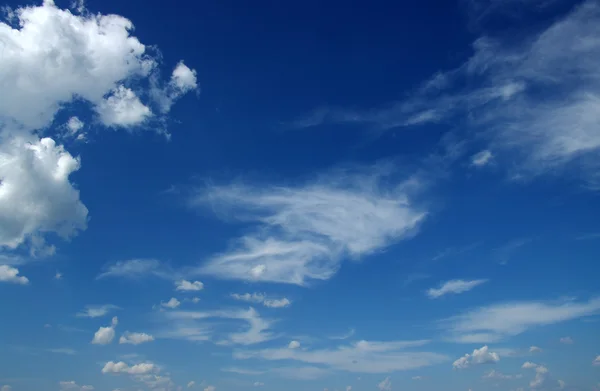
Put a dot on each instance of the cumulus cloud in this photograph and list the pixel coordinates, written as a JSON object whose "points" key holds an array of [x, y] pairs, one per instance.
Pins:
{"points": [[210, 388], [596, 361], [6, 387], [96, 311], [191, 384], [453, 286], [261, 298], [303, 232], [184, 285], [105, 335], [11, 274], [534, 349], [258, 384], [495, 322], [51, 57], [294, 345], [541, 374], [479, 356], [360, 357], [385, 384], [121, 367], [482, 158], [135, 338], [172, 303]]}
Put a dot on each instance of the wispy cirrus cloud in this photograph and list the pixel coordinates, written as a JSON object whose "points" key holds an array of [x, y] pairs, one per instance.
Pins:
{"points": [[454, 287], [139, 268], [534, 106], [303, 232], [360, 357], [499, 321], [261, 298], [96, 311]]}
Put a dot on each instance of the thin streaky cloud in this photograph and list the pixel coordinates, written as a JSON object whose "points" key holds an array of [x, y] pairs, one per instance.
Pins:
{"points": [[454, 287]]}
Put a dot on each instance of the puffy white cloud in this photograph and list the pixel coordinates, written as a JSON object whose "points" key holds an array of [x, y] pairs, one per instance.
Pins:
{"points": [[596, 361], [73, 386], [482, 158], [479, 356], [73, 129], [51, 57], [566, 340], [58, 276], [561, 384], [360, 357], [122, 108], [172, 303], [105, 335], [261, 298], [184, 285], [210, 388], [453, 286], [385, 384], [96, 311], [304, 232], [294, 345], [534, 349], [495, 322], [258, 384], [184, 78], [121, 367], [191, 384], [135, 338], [37, 173], [417, 377], [11, 274], [528, 365]]}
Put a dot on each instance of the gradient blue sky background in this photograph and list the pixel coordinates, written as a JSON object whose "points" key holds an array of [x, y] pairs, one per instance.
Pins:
{"points": [[316, 195]]}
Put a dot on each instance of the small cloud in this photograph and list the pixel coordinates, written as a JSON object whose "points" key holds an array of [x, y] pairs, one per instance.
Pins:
{"points": [[534, 349], [596, 361], [294, 345], [261, 298], [529, 365], [121, 367], [63, 351], [454, 287], [184, 285], [105, 335], [191, 384], [258, 384], [482, 158], [58, 276], [96, 311], [417, 378], [210, 388], [135, 338], [385, 384], [566, 340], [561, 384], [479, 356], [172, 303], [11, 274]]}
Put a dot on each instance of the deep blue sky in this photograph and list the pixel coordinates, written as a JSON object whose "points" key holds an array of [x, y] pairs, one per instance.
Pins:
{"points": [[360, 195]]}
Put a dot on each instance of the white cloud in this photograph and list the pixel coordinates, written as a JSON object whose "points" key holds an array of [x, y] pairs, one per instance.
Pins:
{"points": [[73, 129], [184, 285], [495, 322], [482, 158], [6, 388], [347, 335], [361, 356], [417, 377], [121, 367], [258, 384], [385, 384], [242, 371], [348, 388], [138, 268], [566, 340], [479, 356], [534, 349], [561, 384], [301, 373], [51, 57], [66, 351], [105, 335], [191, 384], [541, 374], [454, 287], [58, 276], [255, 332], [294, 345], [261, 298], [493, 374], [135, 338], [96, 311], [36, 172], [210, 388], [73, 386], [11, 274], [122, 108], [172, 303], [304, 232], [529, 365], [596, 361]]}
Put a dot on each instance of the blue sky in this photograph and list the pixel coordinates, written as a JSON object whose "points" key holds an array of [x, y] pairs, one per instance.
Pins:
{"points": [[221, 196]]}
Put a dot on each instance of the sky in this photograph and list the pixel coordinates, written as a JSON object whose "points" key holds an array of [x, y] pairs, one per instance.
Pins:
{"points": [[318, 195]]}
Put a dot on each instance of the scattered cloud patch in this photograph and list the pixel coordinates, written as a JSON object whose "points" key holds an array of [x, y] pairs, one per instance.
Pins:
{"points": [[566, 340], [172, 303], [482, 158], [385, 384], [454, 287], [138, 268], [188, 286], [73, 386], [479, 356], [261, 298], [135, 338], [11, 274], [96, 311], [294, 345], [596, 361], [105, 335], [121, 367], [534, 349]]}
